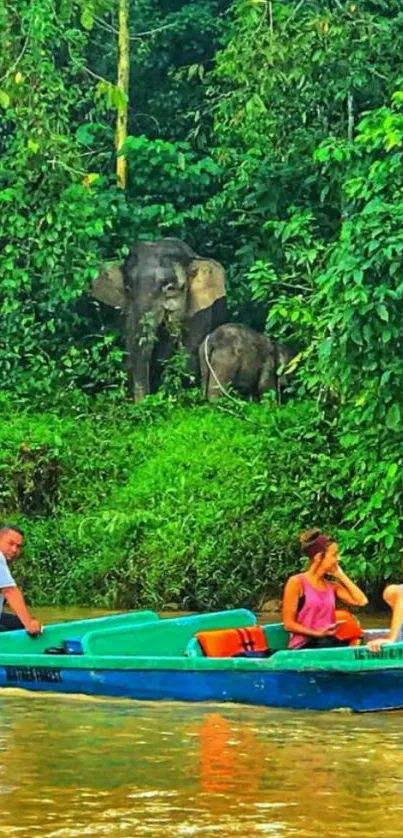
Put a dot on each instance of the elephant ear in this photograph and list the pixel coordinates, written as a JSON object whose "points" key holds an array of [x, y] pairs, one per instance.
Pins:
{"points": [[206, 285], [109, 288]]}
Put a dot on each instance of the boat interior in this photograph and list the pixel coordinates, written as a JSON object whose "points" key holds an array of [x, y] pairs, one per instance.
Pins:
{"points": [[144, 634]]}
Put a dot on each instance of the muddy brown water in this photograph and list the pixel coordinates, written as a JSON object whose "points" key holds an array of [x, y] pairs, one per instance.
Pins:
{"points": [[75, 766]]}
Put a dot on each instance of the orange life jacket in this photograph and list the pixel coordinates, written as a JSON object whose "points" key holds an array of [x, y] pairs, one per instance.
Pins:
{"points": [[350, 629], [232, 642]]}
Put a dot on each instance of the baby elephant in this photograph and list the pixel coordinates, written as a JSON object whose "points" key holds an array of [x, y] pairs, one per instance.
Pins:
{"points": [[236, 356]]}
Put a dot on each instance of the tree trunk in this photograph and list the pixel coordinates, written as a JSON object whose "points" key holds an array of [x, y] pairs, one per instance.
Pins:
{"points": [[123, 91], [350, 112]]}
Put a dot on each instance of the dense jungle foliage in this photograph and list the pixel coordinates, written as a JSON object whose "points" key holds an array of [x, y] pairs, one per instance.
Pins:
{"points": [[268, 135]]}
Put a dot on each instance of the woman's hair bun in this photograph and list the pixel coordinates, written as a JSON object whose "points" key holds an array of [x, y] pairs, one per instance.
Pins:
{"points": [[307, 538]]}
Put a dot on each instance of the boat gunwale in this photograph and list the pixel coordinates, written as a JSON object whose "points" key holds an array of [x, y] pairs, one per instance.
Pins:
{"points": [[284, 661]]}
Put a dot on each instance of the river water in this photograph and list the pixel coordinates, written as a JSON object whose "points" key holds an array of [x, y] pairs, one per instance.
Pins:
{"points": [[74, 766]]}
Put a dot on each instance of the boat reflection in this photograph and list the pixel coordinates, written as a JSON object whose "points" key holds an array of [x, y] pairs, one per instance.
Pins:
{"points": [[231, 758]]}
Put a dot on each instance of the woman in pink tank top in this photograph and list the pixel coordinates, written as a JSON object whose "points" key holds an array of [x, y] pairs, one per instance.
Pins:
{"points": [[309, 602]]}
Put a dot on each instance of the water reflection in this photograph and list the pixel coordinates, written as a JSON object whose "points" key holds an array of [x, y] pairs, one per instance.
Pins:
{"points": [[71, 766], [231, 759]]}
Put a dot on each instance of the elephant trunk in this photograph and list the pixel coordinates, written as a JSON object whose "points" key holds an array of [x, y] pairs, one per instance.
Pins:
{"points": [[139, 361], [140, 340]]}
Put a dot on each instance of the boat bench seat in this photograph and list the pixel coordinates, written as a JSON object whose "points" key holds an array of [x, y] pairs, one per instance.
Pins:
{"points": [[165, 638], [144, 634], [55, 635]]}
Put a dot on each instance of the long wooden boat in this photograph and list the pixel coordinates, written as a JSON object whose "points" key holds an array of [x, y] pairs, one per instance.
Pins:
{"points": [[140, 656]]}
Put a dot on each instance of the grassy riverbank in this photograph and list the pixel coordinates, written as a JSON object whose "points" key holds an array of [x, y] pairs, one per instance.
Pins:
{"points": [[129, 505]]}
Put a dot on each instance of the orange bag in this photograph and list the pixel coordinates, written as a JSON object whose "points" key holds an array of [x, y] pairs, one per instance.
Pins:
{"points": [[233, 642], [350, 628]]}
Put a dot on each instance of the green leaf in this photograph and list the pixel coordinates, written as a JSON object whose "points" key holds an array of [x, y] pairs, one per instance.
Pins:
{"points": [[322, 154], [337, 492], [349, 440], [7, 195], [192, 71], [33, 146], [393, 418], [4, 99], [87, 17], [392, 471], [84, 135], [382, 312]]}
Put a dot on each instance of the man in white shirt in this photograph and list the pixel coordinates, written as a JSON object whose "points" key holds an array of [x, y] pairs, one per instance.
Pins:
{"points": [[11, 541]]}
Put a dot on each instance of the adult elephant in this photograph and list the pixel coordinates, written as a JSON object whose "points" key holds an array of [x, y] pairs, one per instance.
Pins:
{"points": [[169, 297], [236, 356]]}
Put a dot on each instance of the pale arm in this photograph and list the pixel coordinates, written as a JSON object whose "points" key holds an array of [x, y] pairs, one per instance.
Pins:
{"points": [[393, 595]]}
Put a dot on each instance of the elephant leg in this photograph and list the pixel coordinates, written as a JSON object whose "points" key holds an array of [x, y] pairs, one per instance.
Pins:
{"points": [[267, 378], [164, 349]]}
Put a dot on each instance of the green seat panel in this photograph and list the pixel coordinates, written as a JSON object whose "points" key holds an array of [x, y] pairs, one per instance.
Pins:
{"points": [[15, 642], [167, 638], [193, 649], [276, 635]]}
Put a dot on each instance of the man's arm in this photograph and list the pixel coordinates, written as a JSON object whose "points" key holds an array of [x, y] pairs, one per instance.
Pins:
{"points": [[16, 601]]}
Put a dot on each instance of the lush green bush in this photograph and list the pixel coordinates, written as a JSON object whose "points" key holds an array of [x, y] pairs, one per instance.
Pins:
{"points": [[187, 506], [144, 505]]}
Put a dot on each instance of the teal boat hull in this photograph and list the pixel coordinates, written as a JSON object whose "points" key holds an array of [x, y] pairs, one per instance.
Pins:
{"points": [[366, 692], [110, 659]]}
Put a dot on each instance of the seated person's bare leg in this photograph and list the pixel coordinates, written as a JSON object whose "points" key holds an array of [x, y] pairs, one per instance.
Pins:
{"points": [[393, 596]]}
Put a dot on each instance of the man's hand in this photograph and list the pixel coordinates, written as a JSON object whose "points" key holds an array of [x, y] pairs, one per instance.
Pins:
{"points": [[34, 628], [16, 601]]}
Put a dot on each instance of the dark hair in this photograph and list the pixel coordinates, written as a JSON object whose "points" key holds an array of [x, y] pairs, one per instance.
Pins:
{"points": [[13, 527], [313, 542]]}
